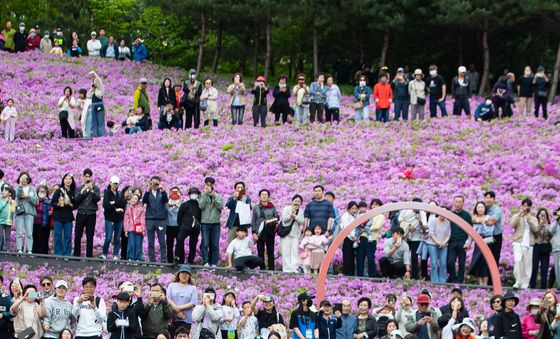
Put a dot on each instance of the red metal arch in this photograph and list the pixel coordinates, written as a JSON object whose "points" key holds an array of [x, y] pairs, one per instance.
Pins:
{"points": [[492, 265]]}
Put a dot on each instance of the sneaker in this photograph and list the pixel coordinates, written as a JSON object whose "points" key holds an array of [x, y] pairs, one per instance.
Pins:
{"points": [[214, 266], [115, 258], [103, 256], [20, 252], [29, 252], [206, 265]]}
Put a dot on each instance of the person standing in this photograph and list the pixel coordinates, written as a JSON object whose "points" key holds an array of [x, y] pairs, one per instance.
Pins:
{"points": [[188, 218], [415, 226], [239, 196], [32, 41], [46, 44], [63, 203], [319, 211], [318, 92], [123, 51], [401, 93], [141, 98], [192, 90], [110, 49], [114, 206], [281, 106], [474, 79], [67, 104], [103, 39], [460, 92], [237, 99], [332, 101], [525, 90], [301, 105], [396, 262], [526, 227], [541, 83], [183, 297], [90, 310], [211, 204], [166, 95], [260, 91], [87, 197], [437, 89], [383, 96], [20, 38], [95, 120], [439, 232], [494, 219], [26, 199], [265, 219], [348, 249], [458, 242], [94, 46], [349, 322], [42, 222], [292, 216], [362, 92], [139, 51], [58, 312], [172, 229], [155, 201], [8, 117], [541, 250], [507, 323], [209, 96], [8, 34]]}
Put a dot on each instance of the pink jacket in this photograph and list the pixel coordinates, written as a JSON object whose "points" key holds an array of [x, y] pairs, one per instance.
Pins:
{"points": [[134, 214], [528, 324]]}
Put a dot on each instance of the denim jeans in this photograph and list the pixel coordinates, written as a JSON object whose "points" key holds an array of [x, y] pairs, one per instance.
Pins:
{"points": [[382, 114], [134, 250], [259, 112], [98, 119], [134, 129], [461, 103], [302, 115], [237, 115], [210, 246], [434, 104], [110, 228], [62, 238], [438, 256], [24, 223], [401, 109], [87, 127], [361, 114], [154, 227]]}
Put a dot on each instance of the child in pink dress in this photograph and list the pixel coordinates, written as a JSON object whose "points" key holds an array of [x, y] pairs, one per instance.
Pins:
{"points": [[304, 253], [317, 245]]}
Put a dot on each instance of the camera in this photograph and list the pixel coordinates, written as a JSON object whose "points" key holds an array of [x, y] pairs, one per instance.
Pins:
{"points": [[88, 181], [33, 295]]}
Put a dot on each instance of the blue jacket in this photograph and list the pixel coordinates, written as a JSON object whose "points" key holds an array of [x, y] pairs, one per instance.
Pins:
{"points": [[484, 112], [327, 327], [362, 90], [140, 53], [315, 90], [155, 206], [348, 328], [115, 49], [232, 204], [45, 218]]}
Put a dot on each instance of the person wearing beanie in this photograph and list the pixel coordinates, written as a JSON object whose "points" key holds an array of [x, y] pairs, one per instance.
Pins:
{"points": [[460, 92], [192, 89]]}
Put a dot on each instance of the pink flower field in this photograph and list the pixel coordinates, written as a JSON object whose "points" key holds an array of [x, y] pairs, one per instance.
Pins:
{"points": [[396, 161]]}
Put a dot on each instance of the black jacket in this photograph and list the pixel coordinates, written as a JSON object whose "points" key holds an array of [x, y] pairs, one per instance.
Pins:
{"points": [[164, 97], [87, 202], [280, 100], [460, 91], [507, 325], [131, 313], [462, 315], [371, 327], [327, 328], [260, 96], [20, 44], [164, 124], [5, 323], [111, 202], [63, 213], [191, 102], [186, 212]]}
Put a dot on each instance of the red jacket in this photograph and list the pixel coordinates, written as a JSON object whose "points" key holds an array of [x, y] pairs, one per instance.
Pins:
{"points": [[33, 43], [383, 95]]}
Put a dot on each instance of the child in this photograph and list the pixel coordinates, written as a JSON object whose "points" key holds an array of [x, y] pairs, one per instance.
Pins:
{"points": [[231, 315], [83, 106], [172, 229], [317, 245], [7, 210], [135, 228], [484, 111], [9, 116], [56, 50], [304, 253], [113, 128], [248, 324], [122, 322]]}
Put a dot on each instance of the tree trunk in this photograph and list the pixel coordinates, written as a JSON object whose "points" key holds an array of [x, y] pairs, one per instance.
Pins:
{"points": [[201, 40], [291, 66], [218, 48], [383, 59], [554, 86], [486, 58], [268, 57], [315, 48], [256, 53], [243, 60], [460, 47]]}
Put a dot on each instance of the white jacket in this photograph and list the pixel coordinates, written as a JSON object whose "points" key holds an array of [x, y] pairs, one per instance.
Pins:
{"points": [[90, 319]]}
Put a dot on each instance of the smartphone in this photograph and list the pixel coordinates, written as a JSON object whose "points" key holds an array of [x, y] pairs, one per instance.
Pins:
{"points": [[208, 295], [242, 192], [33, 295], [154, 295], [91, 298], [337, 307], [557, 308]]}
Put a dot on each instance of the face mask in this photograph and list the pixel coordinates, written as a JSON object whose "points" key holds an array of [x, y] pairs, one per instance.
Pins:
{"points": [[433, 73], [58, 33], [47, 36], [282, 85], [384, 81], [21, 29], [362, 83], [193, 76], [42, 195], [33, 34], [488, 102], [193, 196], [534, 311]]}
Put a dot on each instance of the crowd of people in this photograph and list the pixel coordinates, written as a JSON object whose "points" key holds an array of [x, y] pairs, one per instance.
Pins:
{"points": [[185, 309], [188, 104], [305, 229]]}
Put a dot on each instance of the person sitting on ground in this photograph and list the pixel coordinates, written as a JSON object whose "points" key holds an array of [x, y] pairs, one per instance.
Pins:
{"points": [[168, 118], [239, 252], [485, 110]]}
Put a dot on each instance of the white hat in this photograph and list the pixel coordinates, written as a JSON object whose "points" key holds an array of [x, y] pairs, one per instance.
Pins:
{"points": [[466, 321], [462, 69], [61, 283], [143, 80], [418, 71], [395, 334], [127, 286], [115, 180], [93, 33]]}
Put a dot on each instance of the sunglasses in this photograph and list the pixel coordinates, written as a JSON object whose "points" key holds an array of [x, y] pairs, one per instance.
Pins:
{"points": [[424, 304], [497, 301], [47, 284]]}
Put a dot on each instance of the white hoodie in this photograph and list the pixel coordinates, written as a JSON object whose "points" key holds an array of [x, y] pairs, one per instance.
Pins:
{"points": [[90, 319]]}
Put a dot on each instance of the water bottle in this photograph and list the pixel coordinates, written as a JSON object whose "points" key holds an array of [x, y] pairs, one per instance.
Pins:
{"points": [[231, 334]]}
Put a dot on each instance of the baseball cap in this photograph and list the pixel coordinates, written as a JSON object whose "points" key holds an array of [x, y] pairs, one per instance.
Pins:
{"points": [[433, 67], [185, 269], [93, 33], [423, 299], [123, 296], [61, 283], [268, 298], [21, 24], [115, 180], [400, 70], [261, 78], [462, 69], [540, 68], [325, 303]]}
